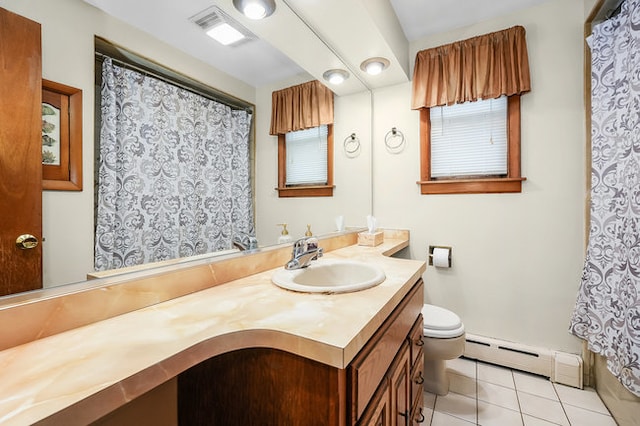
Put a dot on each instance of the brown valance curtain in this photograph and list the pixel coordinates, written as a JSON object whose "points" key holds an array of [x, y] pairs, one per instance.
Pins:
{"points": [[482, 67], [301, 107]]}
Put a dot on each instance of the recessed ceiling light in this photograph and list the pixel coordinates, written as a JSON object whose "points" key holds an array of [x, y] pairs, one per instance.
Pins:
{"points": [[255, 9], [374, 66], [225, 34], [335, 76]]}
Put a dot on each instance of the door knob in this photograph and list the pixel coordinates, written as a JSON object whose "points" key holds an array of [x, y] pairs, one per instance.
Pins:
{"points": [[26, 242]]}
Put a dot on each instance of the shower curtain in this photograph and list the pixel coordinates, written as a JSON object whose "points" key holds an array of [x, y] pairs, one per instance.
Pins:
{"points": [[173, 173], [607, 310]]}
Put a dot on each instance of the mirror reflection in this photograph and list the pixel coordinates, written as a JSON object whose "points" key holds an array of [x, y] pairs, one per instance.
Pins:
{"points": [[173, 175], [69, 219]]}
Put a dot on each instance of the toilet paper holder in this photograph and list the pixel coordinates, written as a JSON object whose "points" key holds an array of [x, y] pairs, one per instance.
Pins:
{"points": [[432, 248]]}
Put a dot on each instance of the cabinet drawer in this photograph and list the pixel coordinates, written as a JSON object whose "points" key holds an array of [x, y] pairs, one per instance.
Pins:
{"points": [[416, 340], [370, 366], [418, 418], [417, 379]]}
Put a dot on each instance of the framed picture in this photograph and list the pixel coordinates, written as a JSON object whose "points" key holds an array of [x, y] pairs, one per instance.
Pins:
{"points": [[61, 137]]}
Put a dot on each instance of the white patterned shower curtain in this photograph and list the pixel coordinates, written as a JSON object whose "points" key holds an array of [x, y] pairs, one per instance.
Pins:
{"points": [[173, 173], [607, 311]]}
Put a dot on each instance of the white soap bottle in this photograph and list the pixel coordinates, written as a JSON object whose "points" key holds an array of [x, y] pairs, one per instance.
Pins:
{"points": [[284, 235]]}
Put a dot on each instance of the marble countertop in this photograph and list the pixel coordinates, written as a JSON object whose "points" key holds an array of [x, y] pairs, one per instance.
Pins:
{"points": [[86, 372]]}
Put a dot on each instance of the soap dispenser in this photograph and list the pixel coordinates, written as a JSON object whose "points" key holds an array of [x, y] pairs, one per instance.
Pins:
{"points": [[284, 235]]}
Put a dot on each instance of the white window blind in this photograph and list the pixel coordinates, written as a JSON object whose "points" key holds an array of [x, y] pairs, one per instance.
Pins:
{"points": [[307, 156], [469, 139]]}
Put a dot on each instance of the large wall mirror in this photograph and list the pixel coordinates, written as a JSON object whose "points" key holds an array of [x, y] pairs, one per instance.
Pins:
{"points": [[301, 52]]}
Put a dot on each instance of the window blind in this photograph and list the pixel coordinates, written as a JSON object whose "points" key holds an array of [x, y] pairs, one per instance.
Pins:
{"points": [[306, 152], [469, 139]]}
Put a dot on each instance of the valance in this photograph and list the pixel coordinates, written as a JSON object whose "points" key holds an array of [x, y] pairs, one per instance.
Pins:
{"points": [[482, 67], [301, 107]]}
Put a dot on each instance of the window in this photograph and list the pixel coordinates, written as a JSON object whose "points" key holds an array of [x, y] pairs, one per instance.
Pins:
{"points": [[306, 155], [495, 64], [305, 163], [469, 139], [471, 148]]}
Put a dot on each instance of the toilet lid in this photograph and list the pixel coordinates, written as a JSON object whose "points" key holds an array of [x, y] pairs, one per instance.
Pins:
{"points": [[441, 322]]}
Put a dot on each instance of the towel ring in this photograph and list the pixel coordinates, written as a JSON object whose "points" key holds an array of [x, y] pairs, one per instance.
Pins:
{"points": [[351, 145], [391, 135]]}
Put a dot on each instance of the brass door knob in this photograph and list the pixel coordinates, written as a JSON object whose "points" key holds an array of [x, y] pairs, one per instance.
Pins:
{"points": [[26, 242]]}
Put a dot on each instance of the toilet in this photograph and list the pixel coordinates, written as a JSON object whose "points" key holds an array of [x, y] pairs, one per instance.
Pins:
{"points": [[443, 339]]}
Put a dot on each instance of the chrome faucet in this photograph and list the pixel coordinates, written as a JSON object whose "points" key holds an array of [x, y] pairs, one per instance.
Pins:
{"points": [[304, 251], [244, 242]]}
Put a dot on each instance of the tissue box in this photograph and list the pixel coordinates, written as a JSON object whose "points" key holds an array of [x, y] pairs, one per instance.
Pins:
{"points": [[370, 239]]}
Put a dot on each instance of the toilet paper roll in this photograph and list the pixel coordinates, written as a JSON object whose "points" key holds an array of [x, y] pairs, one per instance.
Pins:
{"points": [[441, 257]]}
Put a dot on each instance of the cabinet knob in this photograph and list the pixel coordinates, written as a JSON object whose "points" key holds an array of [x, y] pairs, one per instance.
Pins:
{"points": [[419, 342], [420, 418], [419, 380]]}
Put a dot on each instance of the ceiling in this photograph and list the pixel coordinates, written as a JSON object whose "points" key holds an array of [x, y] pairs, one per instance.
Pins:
{"points": [[310, 36]]}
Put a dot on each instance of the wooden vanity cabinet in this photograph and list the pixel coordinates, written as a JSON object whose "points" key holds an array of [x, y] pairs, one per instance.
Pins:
{"points": [[271, 387], [389, 369]]}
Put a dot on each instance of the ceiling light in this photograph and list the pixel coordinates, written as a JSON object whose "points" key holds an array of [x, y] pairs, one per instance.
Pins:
{"points": [[221, 27], [335, 76], [255, 9], [374, 66], [225, 34]]}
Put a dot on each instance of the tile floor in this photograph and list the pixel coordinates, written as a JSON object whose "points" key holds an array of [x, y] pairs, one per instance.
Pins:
{"points": [[488, 395]]}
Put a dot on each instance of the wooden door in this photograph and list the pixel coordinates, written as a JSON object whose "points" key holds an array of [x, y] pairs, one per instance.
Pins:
{"points": [[20, 152]]}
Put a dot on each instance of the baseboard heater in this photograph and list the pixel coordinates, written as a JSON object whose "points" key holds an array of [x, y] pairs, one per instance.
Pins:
{"points": [[559, 367]]}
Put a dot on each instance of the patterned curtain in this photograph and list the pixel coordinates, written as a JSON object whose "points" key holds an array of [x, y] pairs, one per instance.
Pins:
{"points": [[173, 173], [607, 311]]}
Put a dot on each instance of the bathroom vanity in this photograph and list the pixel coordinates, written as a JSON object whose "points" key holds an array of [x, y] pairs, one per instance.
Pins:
{"points": [[382, 385], [241, 351]]}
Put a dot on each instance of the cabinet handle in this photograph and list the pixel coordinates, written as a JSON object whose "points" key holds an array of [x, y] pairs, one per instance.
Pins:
{"points": [[419, 342], [406, 417], [419, 380], [421, 419]]}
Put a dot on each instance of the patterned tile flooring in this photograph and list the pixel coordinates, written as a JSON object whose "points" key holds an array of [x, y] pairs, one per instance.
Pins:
{"points": [[488, 395]]}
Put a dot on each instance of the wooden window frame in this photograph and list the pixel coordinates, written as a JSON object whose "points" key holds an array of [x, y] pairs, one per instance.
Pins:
{"points": [[512, 182], [67, 176], [285, 190]]}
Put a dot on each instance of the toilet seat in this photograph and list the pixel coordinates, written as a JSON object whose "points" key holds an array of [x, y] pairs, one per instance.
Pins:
{"points": [[441, 323]]}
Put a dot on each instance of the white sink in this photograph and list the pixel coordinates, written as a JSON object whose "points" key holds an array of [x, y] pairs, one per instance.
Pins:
{"points": [[330, 276]]}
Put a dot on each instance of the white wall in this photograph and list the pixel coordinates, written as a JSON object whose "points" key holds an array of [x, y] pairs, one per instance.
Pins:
{"points": [[68, 29], [517, 258]]}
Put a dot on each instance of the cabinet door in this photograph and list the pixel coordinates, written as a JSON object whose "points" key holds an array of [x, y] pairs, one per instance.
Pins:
{"points": [[401, 388], [378, 413]]}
